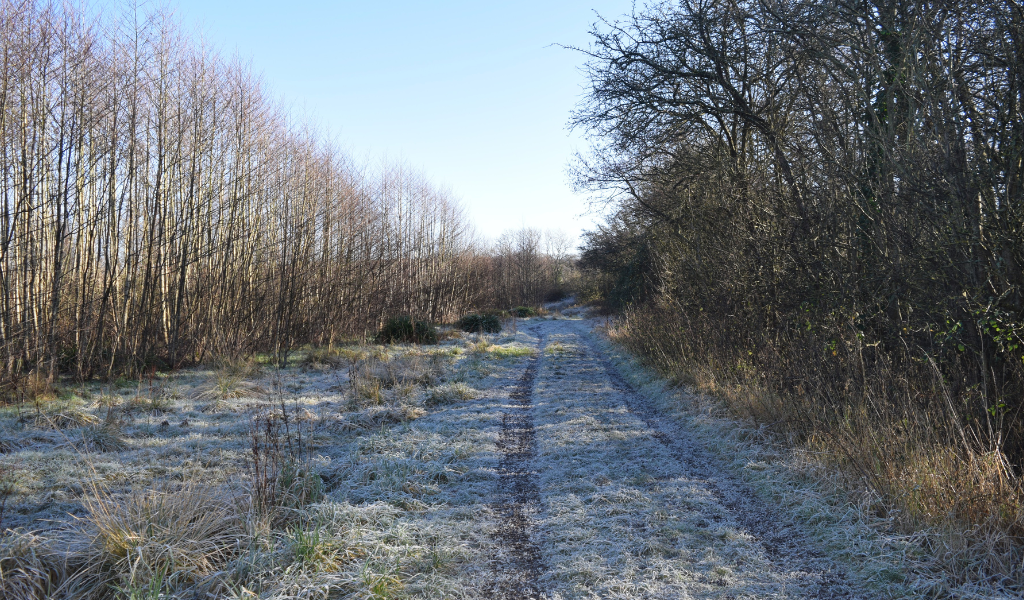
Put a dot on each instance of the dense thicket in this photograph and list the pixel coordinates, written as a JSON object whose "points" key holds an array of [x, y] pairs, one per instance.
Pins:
{"points": [[827, 194], [159, 206]]}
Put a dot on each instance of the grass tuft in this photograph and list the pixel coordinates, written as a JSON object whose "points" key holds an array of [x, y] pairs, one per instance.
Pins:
{"points": [[29, 568], [372, 377], [66, 418], [485, 348], [324, 359], [104, 438], [226, 384], [182, 536], [450, 393], [314, 549], [156, 404]]}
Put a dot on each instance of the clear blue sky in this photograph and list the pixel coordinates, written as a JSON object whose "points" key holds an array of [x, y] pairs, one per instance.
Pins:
{"points": [[475, 94]]}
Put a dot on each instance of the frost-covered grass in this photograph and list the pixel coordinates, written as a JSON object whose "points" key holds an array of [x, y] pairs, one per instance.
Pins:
{"points": [[401, 437], [846, 526], [392, 492], [622, 519]]}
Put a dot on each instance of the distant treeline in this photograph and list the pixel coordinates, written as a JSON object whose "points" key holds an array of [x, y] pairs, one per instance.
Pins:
{"points": [[824, 198], [159, 207]]}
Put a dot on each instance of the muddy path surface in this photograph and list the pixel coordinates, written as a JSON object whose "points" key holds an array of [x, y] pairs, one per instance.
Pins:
{"points": [[600, 496], [519, 564]]}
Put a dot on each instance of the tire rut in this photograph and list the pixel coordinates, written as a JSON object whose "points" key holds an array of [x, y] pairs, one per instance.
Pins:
{"points": [[782, 545], [518, 566]]}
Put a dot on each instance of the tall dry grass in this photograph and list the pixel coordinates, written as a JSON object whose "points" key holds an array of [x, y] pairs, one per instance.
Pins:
{"points": [[29, 568], [372, 377], [183, 537], [162, 540], [902, 443], [188, 538], [174, 529], [177, 539]]}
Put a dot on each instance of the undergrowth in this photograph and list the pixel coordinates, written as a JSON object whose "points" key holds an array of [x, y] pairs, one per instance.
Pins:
{"points": [[524, 312], [406, 330], [480, 323]]}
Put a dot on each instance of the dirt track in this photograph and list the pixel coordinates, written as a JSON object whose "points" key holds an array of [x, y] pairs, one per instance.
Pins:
{"points": [[598, 495], [519, 566], [522, 465]]}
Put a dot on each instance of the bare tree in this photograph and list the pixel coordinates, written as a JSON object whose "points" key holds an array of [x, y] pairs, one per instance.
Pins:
{"points": [[792, 176], [158, 208]]}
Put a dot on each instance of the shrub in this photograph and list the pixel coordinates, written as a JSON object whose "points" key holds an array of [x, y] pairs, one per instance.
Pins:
{"points": [[476, 323], [34, 388], [404, 329], [555, 294], [279, 465], [524, 311]]}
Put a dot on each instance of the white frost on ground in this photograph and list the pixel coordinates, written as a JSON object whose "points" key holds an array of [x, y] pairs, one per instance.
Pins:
{"points": [[622, 519], [412, 478]]}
